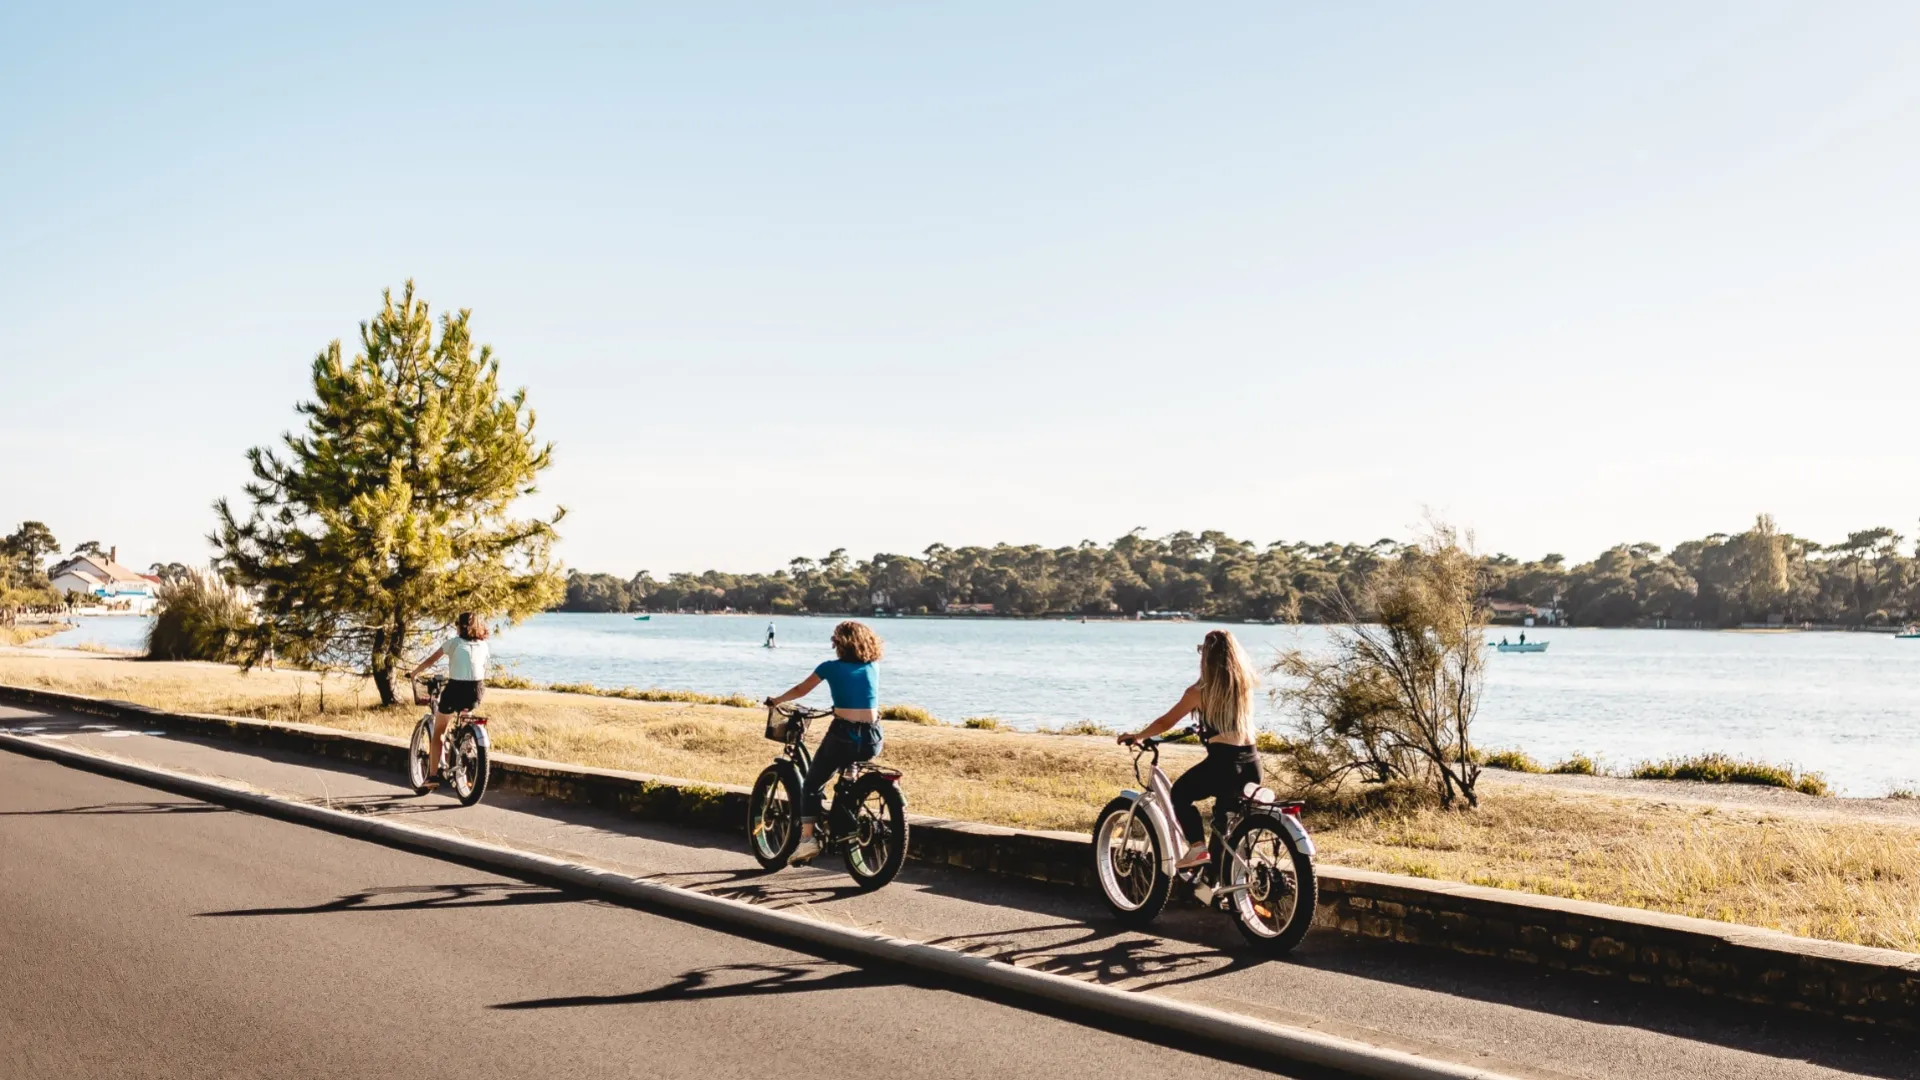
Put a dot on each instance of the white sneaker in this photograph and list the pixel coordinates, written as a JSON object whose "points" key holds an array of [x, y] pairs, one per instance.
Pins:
{"points": [[1196, 856], [809, 850]]}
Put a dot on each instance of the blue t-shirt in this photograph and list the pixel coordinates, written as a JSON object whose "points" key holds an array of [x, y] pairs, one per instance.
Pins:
{"points": [[853, 685]]}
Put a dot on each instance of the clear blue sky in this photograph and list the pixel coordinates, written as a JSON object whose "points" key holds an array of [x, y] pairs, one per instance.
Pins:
{"points": [[781, 278]]}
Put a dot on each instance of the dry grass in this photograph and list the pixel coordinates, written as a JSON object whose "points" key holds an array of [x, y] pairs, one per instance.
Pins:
{"points": [[1805, 874]]}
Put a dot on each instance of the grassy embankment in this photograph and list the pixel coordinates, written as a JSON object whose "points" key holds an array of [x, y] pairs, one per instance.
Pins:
{"points": [[1796, 868], [26, 633]]}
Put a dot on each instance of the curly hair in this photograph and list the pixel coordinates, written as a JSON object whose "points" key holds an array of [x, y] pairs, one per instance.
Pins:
{"points": [[855, 643]]}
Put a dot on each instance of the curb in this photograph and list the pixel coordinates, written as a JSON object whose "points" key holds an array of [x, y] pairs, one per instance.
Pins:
{"points": [[1293, 1046]]}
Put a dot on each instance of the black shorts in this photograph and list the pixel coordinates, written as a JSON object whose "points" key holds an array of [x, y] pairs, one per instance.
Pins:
{"points": [[462, 695]]}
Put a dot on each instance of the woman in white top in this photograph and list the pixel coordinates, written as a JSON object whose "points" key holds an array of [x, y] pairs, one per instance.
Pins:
{"points": [[466, 653]]}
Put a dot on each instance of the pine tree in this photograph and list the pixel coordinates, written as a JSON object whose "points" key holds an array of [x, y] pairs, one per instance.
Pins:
{"points": [[393, 511]]}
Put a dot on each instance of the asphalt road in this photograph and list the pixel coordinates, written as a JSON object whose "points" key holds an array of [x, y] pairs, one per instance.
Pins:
{"points": [[1519, 1020], [151, 936]]}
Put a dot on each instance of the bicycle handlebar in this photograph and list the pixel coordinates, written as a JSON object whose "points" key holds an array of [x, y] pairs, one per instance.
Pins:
{"points": [[800, 711]]}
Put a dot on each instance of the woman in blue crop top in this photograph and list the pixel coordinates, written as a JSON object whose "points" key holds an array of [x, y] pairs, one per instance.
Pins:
{"points": [[854, 734]]}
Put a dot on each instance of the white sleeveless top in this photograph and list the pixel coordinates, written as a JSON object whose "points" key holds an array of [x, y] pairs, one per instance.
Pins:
{"points": [[466, 660]]}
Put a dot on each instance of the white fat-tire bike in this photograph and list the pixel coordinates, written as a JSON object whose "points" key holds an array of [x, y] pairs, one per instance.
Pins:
{"points": [[465, 764], [1261, 872]]}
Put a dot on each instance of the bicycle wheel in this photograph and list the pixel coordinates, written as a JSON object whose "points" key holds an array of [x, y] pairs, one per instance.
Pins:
{"points": [[773, 818], [1275, 909], [1127, 860], [467, 766], [877, 844], [417, 767]]}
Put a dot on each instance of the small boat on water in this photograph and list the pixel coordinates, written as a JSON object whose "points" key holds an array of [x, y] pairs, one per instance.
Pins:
{"points": [[1520, 646], [1908, 633], [643, 618]]}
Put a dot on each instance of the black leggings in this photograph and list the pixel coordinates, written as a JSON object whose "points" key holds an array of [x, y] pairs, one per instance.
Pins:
{"points": [[1223, 775], [844, 743]]}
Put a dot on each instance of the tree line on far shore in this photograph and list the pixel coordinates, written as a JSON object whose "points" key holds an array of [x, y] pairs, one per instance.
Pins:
{"points": [[1756, 576]]}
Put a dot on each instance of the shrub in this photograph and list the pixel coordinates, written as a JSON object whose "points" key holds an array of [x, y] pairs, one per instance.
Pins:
{"points": [[1511, 761], [1725, 769], [981, 723], [1394, 696], [1577, 765], [1902, 793], [1268, 743], [909, 714], [199, 617]]}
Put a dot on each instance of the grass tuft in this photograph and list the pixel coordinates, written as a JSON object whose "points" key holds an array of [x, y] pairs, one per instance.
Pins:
{"points": [[982, 723], [1725, 769], [1079, 727], [909, 714], [1511, 761], [1577, 765]]}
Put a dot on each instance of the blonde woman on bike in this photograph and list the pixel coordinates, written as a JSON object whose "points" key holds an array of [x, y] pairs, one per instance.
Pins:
{"points": [[854, 734], [1223, 701], [466, 653]]}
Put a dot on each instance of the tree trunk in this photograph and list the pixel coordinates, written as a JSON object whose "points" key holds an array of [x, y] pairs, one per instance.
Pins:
{"points": [[383, 682]]}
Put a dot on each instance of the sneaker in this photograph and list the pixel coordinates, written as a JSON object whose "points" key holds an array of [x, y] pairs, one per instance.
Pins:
{"points": [[1196, 856], [809, 850]]}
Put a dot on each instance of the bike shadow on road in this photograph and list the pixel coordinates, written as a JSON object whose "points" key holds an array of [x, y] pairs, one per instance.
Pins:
{"points": [[395, 898], [114, 808], [731, 980]]}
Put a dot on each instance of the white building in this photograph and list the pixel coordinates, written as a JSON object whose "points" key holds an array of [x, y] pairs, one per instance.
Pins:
{"points": [[104, 579]]}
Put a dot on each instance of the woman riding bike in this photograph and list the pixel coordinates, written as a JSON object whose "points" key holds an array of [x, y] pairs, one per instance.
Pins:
{"points": [[1223, 698], [854, 734], [466, 653]]}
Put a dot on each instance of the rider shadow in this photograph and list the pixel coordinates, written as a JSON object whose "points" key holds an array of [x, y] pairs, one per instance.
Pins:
{"points": [[124, 808], [385, 804], [1141, 961], [424, 897], [723, 981]]}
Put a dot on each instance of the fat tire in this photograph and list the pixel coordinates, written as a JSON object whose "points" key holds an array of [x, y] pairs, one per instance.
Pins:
{"points": [[1157, 891], [896, 805], [417, 756], [1306, 887], [771, 777], [482, 766]]}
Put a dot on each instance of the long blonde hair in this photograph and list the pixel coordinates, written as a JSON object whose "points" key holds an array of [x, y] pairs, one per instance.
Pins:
{"points": [[1226, 685]]}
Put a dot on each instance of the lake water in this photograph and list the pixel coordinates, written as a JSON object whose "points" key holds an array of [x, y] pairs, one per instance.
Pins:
{"points": [[1845, 705]]}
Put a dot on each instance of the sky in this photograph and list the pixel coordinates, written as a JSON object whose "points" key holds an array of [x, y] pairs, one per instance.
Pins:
{"points": [[783, 278]]}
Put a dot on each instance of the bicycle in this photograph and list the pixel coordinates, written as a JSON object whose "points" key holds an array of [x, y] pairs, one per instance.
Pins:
{"points": [[463, 750], [868, 821], [1261, 871]]}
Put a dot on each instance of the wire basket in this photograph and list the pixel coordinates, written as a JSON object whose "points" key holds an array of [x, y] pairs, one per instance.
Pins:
{"points": [[424, 692]]}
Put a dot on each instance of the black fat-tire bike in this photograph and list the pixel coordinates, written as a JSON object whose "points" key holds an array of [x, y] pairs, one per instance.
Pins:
{"points": [[463, 751], [867, 823], [1261, 871]]}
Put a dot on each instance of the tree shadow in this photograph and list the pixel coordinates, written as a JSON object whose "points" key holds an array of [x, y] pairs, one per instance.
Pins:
{"points": [[419, 898], [729, 980], [125, 808]]}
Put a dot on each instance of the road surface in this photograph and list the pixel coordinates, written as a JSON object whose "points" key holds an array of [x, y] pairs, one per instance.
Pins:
{"points": [[110, 894], [153, 936]]}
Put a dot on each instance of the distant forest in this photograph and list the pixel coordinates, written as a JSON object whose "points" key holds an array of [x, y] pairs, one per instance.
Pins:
{"points": [[1757, 576]]}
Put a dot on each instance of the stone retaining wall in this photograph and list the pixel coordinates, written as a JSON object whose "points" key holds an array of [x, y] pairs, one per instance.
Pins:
{"points": [[1738, 963]]}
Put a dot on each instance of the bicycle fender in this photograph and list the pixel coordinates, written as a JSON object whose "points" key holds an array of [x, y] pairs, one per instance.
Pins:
{"points": [[1294, 830], [480, 735], [1163, 827]]}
